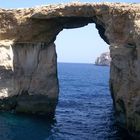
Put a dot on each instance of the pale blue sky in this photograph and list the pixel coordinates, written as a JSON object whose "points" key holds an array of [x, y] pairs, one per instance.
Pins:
{"points": [[81, 45]]}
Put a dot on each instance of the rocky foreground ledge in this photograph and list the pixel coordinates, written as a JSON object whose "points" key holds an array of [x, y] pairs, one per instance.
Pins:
{"points": [[28, 60]]}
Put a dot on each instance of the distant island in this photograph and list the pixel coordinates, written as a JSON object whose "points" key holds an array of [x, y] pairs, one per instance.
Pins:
{"points": [[103, 60]]}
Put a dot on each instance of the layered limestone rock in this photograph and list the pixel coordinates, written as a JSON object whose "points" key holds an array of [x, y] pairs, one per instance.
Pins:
{"points": [[33, 32], [35, 77], [6, 70], [103, 60], [32, 85]]}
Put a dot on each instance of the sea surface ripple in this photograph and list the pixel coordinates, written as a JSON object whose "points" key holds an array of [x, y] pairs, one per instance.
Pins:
{"points": [[84, 111]]}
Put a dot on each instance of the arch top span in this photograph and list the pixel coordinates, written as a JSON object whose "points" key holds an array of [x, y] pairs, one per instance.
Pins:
{"points": [[41, 24]]}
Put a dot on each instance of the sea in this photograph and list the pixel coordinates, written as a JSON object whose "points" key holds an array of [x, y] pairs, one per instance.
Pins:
{"points": [[84, 111]]}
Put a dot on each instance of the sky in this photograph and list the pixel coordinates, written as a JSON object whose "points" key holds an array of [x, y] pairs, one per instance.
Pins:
{"points": [[80, 45]]}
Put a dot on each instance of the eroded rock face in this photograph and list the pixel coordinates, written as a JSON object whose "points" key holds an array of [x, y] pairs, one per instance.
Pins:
{"points": [[35, 85], [6, 70], [125, 86], [34, 62]]}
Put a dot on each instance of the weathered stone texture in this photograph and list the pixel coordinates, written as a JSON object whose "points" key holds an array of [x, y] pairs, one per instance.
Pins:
{"points": [[35, 76], [6, 70], [35, 85], [34, 64]]}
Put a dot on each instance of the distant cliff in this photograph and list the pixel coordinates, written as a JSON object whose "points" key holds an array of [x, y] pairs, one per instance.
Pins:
{"points": [[103, 60]]}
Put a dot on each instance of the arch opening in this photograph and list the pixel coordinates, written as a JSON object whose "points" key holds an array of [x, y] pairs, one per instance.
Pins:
{"points": [[77, 22], [75, 42], [82, 86]]}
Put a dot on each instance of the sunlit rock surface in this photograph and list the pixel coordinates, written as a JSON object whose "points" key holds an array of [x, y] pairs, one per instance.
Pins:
{"points": [[103, 60], [32, 32], [6, 70]]}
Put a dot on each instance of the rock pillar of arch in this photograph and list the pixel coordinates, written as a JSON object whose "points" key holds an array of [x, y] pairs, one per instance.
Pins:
{"points": [[33, 86], [34, 80]]}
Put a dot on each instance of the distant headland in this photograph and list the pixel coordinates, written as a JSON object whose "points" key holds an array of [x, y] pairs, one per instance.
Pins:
{"points": [[103, 60]]}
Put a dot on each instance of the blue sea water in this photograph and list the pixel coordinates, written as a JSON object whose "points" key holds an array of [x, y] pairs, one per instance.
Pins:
{"points": [[84, 111]]}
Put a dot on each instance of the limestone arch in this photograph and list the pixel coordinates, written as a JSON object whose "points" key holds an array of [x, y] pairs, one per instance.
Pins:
{"points": [[33, 32]]}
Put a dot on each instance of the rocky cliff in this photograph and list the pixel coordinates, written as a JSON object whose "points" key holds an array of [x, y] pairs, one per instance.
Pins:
{"points": [[6, 70], [31, 79], [103, 60]]}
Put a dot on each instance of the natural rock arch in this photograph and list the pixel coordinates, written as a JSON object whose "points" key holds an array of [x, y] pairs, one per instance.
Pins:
{"points": [[34, 88]]}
